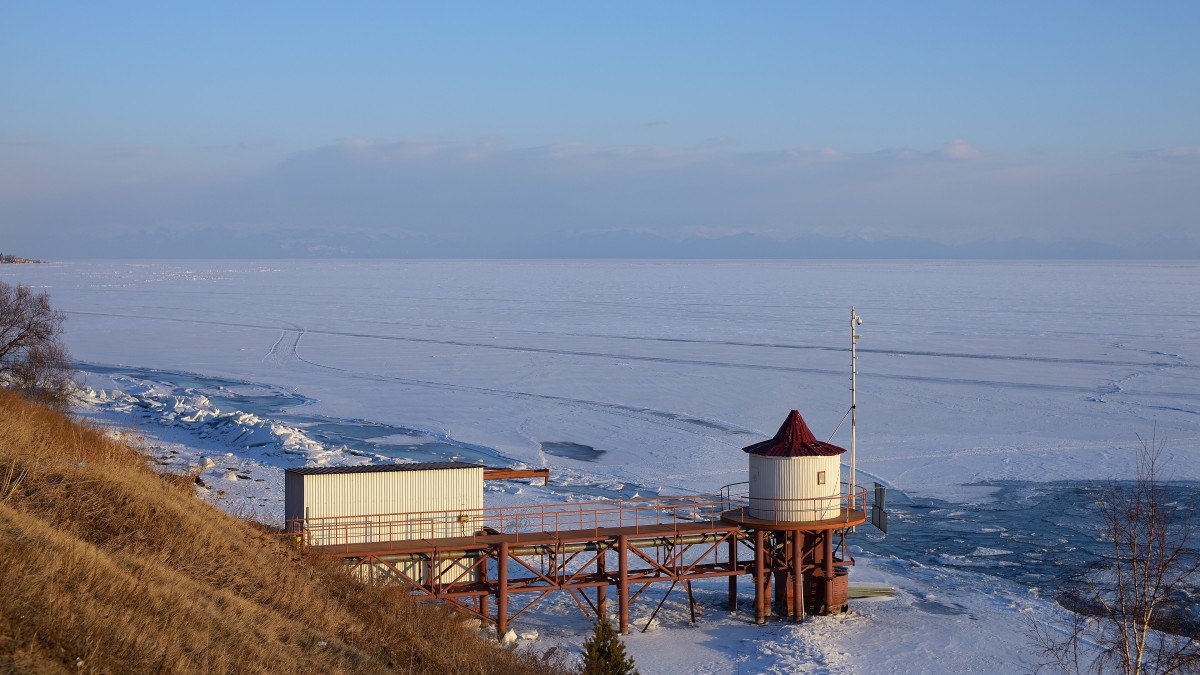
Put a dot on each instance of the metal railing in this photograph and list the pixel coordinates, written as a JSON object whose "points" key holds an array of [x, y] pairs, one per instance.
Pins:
{"points": [[661, 515], [656, 513], [847, 506]]}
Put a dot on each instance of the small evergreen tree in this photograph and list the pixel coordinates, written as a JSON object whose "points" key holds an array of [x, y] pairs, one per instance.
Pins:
{"points": [[604, 653]]}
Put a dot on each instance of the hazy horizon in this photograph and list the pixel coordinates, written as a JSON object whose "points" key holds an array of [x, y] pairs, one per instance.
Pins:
{"points": [[617, 246], [624, 130]]}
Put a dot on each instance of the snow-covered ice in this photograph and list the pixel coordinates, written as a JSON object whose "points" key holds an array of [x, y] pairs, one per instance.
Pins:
{"points": [[648, 377]]}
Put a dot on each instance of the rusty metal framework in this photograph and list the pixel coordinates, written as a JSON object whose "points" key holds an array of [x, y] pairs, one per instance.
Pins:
{"points": [[502, 473], [585, 548]]}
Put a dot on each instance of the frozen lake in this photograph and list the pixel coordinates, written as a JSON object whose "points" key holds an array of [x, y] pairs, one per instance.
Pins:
{"points": [[989, 392], [969, 371]]}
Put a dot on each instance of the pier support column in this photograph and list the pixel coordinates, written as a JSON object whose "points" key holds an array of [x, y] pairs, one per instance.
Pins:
{"points": [[760, 580], [482, 604], [733, 565], [502, 591], [602, 591], [797, 575], [827, 564], [781, 577], [623, 582]]}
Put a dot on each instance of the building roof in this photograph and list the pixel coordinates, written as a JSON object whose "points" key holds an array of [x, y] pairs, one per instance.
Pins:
{"points": [[794, 439], [381, 468]]}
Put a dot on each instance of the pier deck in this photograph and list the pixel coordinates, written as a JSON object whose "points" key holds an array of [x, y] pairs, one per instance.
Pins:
{"points": [[467, 559]]}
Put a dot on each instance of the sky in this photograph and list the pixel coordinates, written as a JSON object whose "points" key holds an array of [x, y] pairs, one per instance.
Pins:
{"points": [[618, 129]]}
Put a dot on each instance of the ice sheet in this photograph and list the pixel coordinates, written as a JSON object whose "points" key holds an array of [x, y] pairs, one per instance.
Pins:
{"points": [[969, 371]]}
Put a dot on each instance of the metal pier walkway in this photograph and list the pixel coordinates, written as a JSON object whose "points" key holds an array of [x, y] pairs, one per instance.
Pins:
{"points": [[467, 558]]}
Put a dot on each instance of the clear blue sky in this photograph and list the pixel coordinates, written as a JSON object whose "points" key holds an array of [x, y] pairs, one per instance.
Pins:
{"points": [[947, 121]]}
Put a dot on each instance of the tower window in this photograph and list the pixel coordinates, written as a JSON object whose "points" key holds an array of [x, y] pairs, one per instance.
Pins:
{"points": [[820, 478]]}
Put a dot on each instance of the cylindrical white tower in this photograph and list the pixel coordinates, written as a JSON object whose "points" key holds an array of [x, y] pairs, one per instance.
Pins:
{"points": [[794, 478]]}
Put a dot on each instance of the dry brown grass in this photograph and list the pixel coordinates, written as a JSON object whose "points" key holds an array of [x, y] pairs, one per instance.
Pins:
{"points": [[107, 566]]}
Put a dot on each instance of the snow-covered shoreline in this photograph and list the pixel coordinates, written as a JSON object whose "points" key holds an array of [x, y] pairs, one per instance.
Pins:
{"points": [[971, 373], [936, 612]]}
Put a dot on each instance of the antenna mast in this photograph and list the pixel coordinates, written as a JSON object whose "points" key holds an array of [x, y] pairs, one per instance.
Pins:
{"points": [[855, 322]]}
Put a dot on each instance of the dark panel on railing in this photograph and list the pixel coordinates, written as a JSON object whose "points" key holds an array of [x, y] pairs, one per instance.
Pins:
{"points": [[879, 509]]}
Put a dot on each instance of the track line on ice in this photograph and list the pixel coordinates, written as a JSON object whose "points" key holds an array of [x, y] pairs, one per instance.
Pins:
{"points": [[669, 340], [1036, 386], [663, 417], [272, 352], [862, 350]]}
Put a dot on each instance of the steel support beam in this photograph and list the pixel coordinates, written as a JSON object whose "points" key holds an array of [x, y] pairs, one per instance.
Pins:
{"points": [[781, 576], [797, 575], [602, 591], [827, 562], [760, 577], [502, 591], [733, 566], [623, 582]]}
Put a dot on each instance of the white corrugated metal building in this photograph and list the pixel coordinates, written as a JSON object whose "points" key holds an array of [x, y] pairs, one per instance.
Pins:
{"points": [[794, 477], [356, 504]]}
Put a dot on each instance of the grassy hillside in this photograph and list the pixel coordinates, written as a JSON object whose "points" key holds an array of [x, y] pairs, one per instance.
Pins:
{"points": [[108, 566]]}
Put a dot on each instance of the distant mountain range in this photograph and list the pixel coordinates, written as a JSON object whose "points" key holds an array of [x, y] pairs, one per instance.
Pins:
{"points": [[752, 246], [230, 243]]}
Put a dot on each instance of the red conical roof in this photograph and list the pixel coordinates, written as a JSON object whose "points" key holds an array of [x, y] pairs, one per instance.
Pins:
{"points": [[794, 439]]}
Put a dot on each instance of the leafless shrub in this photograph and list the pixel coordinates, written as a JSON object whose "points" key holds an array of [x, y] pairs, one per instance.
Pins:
{"points": [[33, 359], [1130, 616]]}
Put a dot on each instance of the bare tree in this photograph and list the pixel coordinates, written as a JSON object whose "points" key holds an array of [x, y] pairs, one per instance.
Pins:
{"points": [[1135, 613], [33, 358]]}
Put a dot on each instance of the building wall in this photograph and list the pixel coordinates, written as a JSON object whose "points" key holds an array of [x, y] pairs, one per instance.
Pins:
{"points": [[777, 482], [349, 508], [293, 496]]}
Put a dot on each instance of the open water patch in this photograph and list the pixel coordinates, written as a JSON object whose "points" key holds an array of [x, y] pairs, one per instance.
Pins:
{"points": [[1047, 536], [569, 450]]}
